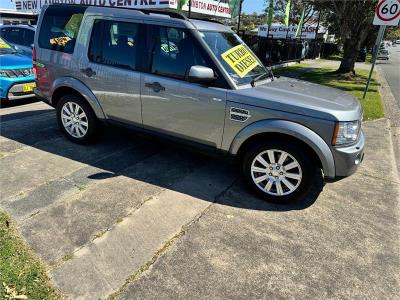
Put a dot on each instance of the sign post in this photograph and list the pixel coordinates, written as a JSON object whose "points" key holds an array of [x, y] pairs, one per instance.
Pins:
{"points": [[387, 13], [374, 55]]}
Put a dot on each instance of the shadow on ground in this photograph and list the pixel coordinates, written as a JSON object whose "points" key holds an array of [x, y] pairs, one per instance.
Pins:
{"points": [[14, 103], [148, 146]]}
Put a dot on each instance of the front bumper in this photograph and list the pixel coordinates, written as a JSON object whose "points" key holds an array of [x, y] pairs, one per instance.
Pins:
{"points": [[348, 159], [12, 88]]}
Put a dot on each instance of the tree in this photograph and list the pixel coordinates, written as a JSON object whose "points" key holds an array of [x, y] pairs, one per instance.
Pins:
{"points": [[296, 9], [392, 33], [351, 21]]}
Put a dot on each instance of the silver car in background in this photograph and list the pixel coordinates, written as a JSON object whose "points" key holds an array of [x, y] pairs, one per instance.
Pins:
{"points": [[196, 82]]}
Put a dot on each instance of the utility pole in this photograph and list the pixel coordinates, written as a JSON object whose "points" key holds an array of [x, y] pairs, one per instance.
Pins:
{"points": [[240, 15], [190, 8], [316, 34]]}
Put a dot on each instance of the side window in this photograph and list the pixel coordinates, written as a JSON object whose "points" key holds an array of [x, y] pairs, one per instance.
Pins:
{"points": [[114, 43], [15, 36], [28, 37], [60, 27], [174, 51]]}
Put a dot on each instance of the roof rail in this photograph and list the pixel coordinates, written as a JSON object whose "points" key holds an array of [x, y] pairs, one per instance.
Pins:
{"points": [[206, 20], [172, 14]]}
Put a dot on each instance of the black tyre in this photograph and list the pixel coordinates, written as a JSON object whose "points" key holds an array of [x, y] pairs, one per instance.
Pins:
{"points": [[279, 171], [76, 119]]}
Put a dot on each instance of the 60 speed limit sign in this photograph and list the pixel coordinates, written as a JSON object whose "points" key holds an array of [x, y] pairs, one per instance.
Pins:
{"points": [[387, 13]]}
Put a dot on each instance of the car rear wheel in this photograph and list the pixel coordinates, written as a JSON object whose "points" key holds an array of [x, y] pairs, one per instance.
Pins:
{"points": [[278, 171], [76, 119]]}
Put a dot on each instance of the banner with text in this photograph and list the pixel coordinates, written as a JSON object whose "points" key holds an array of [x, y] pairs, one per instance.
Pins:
{"points": [[206, 7], [278, 31]]}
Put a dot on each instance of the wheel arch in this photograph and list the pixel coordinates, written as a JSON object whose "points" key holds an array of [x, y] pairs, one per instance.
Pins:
{"points": [[284, 130], [66, 85]]}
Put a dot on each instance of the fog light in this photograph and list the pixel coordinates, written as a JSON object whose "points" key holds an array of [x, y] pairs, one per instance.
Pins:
{"points": [[358, 159]]}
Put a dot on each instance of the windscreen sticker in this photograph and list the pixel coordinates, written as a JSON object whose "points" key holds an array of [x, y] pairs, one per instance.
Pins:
{"points": [[241, 60], [4, 45]]}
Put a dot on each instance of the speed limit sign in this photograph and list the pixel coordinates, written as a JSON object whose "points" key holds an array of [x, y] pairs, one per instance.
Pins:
{"points": [[387, 13]]}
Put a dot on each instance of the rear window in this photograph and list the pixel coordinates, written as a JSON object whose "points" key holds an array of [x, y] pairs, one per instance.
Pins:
{"points": [[60, 27]]}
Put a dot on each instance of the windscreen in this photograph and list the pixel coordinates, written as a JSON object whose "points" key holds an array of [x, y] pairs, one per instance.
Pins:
{"points": [[5, 48], [236, 57]]}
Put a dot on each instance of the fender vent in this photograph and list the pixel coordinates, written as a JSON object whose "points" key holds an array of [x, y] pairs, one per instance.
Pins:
{"points": [[239, 114]]}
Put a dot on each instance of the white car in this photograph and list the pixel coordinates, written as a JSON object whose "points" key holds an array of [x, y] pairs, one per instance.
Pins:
{"points": [[383, 54]]}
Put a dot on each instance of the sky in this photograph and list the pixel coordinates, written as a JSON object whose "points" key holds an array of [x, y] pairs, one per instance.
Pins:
{"points": [[249, 6]]}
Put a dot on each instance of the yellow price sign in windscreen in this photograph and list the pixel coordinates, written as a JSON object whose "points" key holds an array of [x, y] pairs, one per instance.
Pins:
{"points": [[3, 44], [240, 59]]}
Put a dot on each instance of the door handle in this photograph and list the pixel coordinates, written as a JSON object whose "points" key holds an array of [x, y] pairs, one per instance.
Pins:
{"points": [[88, 72], [155, 86]]}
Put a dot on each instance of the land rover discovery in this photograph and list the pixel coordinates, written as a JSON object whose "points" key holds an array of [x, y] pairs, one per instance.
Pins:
{"points": [[196, 81]]}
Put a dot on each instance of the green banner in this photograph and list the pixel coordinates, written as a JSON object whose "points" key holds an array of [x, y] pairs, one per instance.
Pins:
{"points": [[300, 26], [234, 6], [287, 14], [270, 13], [181, 3]]}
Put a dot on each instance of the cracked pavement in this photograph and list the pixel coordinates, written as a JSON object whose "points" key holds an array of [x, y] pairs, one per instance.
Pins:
{"points": [[135, 218]]}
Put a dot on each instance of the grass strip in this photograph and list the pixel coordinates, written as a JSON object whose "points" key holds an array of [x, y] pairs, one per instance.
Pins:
{"points": [[22, 274]]}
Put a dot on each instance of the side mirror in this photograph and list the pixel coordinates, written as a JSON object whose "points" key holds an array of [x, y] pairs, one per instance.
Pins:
{"points": [[201, 74]]}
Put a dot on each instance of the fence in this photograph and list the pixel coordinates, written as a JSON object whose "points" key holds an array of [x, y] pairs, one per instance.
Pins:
{"points": [[278, 51]]}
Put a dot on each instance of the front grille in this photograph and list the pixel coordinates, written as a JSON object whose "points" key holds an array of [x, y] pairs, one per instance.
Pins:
{"points": [[19, 72]]}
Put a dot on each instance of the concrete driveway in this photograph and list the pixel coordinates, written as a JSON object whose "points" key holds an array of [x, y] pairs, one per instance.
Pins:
{"points": [[134, 218]]}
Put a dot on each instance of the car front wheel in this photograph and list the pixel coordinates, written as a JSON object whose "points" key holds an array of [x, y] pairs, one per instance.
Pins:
{"points": [[76, 119], [279, 171]]}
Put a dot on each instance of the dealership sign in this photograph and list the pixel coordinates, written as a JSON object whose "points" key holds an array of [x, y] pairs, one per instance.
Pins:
{"points": [[280, 31], [206, 7]]}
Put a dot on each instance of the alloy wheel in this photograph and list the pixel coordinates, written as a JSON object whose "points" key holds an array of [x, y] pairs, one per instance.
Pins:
{"points": [[276, 172], [74, 119]]}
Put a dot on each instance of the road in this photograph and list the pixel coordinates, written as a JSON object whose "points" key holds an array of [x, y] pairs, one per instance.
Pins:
{"points": [[391, 69]]}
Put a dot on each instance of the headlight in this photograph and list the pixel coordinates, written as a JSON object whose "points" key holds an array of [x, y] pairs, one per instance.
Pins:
{"points": [[346, 133], [3, 73]]}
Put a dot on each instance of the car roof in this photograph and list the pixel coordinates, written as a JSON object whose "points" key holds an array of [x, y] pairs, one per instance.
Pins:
{"points": [[162, 17], [32, 27]]}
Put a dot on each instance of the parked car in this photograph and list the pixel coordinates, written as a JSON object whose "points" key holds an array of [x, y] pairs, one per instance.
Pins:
{"points": [[16, 74], [383, 52], [197, 82], [19, 36]]}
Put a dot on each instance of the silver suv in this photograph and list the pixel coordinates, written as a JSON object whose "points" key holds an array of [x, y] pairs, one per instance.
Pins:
{"points": [[195, 81]]}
